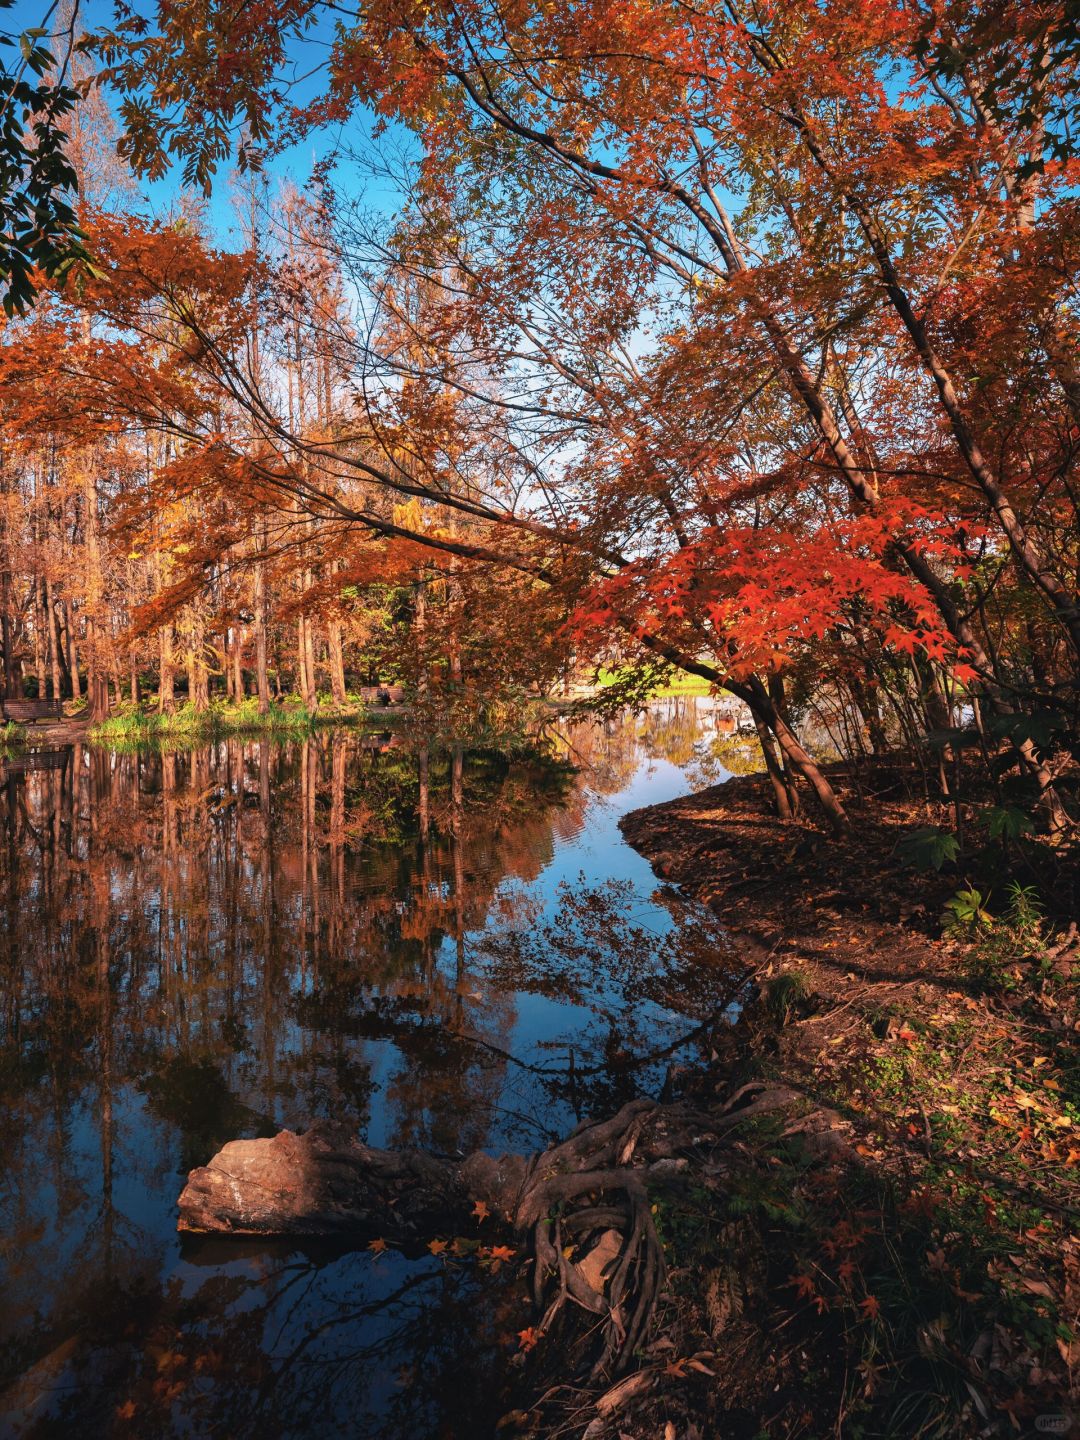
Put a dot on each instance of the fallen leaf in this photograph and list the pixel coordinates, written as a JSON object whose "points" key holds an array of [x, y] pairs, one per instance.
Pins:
{"points": [[592, 1267], [1038, 1287]]}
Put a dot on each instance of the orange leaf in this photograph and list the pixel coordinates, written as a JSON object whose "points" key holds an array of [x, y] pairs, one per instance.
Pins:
{"points": [[498, 1253]]}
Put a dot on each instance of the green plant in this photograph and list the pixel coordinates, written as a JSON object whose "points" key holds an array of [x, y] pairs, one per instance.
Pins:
{"points": [[1007, 822], [1025, 909], [966, 914], [1015, 935], [11, 735], [785, 995], [927, 848]]}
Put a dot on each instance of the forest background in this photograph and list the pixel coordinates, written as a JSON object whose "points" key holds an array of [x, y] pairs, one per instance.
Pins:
{"points": [[746, 350]]}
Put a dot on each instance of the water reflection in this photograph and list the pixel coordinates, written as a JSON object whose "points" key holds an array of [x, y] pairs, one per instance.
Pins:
{"points": [[443, 949]]}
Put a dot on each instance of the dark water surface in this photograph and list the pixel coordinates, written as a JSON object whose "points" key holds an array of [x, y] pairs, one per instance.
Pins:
{"points": [[445, 950]]}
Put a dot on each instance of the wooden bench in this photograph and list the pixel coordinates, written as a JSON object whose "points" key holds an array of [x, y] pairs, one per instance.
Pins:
{"points": [[35, 760], [25, 712], [382, 694]]}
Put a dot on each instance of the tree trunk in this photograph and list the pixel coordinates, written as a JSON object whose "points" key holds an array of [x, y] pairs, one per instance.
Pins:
{"points": [[305, 662], [311, 692], [198, 679], [55, 651], [781, 796], [97, 682], [238, 664], [336, 651], [40, 642], [262, 680], [166, 686], [73, 651], [796, 756], [7, 619], [754, 695]]}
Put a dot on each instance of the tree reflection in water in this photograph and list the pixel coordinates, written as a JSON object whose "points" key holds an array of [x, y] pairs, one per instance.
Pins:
{"points": [[247, 935]]}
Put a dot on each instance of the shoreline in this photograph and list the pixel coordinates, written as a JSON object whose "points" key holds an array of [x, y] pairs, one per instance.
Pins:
{"points": [[76, 729], [954, 1092]]}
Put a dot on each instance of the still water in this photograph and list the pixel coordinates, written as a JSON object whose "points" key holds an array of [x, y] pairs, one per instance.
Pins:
{"points": [[447, 950]]}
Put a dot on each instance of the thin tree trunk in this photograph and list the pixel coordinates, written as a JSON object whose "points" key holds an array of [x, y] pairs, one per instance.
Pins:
{"points": [[238, 666], [55, 651], [262, 680], [311, 694], [167, 684], [198, 679], [73, 650], [773, 768], [7, 598], [40, 642]]}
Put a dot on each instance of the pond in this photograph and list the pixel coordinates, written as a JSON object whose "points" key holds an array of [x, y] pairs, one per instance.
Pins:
{"points": [[444, 949]]}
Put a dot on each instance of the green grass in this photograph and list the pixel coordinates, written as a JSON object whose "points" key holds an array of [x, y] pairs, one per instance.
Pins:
{"points": [[12, 736], [222, 717], [679, 684]]}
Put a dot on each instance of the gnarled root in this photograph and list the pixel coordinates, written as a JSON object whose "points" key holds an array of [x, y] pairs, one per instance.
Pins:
{"points": [[585, 1197]]}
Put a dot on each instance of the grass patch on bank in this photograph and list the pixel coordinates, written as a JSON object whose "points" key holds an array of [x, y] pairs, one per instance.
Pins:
{"points": [[678, 684], [136, 724], [12, 737]]}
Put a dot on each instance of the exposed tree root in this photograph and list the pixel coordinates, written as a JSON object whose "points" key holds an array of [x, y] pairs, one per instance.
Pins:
{"points": [[589, 1192]]}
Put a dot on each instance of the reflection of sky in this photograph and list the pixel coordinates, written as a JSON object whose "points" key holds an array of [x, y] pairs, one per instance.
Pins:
{"points": [[593, 854]]}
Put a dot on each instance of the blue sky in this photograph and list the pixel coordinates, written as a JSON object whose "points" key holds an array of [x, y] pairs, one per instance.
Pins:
{"points": [[295, 163]]}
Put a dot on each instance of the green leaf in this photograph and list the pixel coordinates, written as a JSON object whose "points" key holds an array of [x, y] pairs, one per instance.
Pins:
{"points": [[1008, 822], [927, 848]]}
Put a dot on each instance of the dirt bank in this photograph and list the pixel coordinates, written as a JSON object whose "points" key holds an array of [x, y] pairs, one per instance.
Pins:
{"points": [[932, 1284]]}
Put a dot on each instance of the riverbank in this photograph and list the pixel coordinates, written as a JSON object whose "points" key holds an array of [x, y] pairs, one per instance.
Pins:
{"points": [[221, 717], [924, 1277]]}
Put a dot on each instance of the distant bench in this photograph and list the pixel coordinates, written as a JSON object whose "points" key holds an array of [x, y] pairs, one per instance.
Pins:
{"points": [[25, 712], [382, 694]]}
